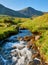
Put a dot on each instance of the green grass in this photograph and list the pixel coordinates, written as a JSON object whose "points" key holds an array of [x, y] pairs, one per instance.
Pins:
{"points": [[8, 26], [39, 24], [5, 32]]}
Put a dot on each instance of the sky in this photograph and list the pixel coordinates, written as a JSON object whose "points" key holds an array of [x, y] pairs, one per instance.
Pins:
{"points": [[41, 5]]}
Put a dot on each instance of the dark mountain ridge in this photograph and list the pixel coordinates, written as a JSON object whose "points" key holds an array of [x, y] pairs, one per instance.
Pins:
{"points": [[27, 12], [6, 11]]}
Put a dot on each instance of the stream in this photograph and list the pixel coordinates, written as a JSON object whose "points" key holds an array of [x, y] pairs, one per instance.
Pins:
{"points": [[15, 52]]}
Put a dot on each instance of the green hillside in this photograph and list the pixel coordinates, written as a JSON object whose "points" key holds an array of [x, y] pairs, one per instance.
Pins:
{"points": [[9, 26], [39, 24]]}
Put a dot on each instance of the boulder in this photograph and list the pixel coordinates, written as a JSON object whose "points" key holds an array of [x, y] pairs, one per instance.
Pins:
{"points": [[36, 61], [46, 63], [28, 38], [37, 37], [20, 38], [31, 43], [36, 33]]}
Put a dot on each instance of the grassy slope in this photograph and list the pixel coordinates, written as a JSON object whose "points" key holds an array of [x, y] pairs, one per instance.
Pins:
{"points": [[8, 25], [39, 24]]}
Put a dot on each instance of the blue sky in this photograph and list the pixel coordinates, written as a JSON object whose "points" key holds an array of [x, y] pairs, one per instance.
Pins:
{"points": [[41, 5]]}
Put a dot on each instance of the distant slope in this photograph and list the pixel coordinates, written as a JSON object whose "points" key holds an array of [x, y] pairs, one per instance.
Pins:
{"points": [[6, 11], [29, 11], [36, 23]]}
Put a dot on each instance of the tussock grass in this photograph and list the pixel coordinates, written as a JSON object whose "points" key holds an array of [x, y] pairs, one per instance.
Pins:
{"points": [[39, 24]]}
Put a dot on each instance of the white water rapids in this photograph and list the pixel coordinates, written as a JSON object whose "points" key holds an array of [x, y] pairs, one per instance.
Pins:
{"points": [[16, 52]]}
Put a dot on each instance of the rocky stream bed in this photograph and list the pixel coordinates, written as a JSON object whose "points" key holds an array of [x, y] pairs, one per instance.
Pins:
{"points": [[15, 51]]}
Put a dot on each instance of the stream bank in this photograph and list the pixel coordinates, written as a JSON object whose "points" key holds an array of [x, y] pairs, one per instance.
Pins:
{"points": [[20, 50]]}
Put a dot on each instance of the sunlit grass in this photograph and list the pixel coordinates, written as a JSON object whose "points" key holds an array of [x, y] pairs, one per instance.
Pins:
{"points": [[39, 24]]}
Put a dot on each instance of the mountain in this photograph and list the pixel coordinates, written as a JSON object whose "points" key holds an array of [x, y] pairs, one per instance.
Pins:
{"points": [[6, 11], [29, 11]]}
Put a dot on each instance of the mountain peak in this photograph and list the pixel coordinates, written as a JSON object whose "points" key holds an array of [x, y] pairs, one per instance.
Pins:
{"points": [[29, 11], [29, 7], [26, 12]]}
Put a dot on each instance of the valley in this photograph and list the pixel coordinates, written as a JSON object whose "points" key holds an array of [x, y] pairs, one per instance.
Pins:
{"points": [[23, 36]]}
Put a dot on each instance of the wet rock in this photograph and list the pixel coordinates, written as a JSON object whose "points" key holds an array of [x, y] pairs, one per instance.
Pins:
{"points": [[36, 54], [14, 53], [14, 47], [46, 63], [31, 43], [37, 37], [28, 38], [36, 61], [22, 28], [36, 33], [21, 47], [20, 38]]}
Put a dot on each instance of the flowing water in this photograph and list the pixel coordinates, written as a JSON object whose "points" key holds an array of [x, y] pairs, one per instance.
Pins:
{"points": [[15, 52]]}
